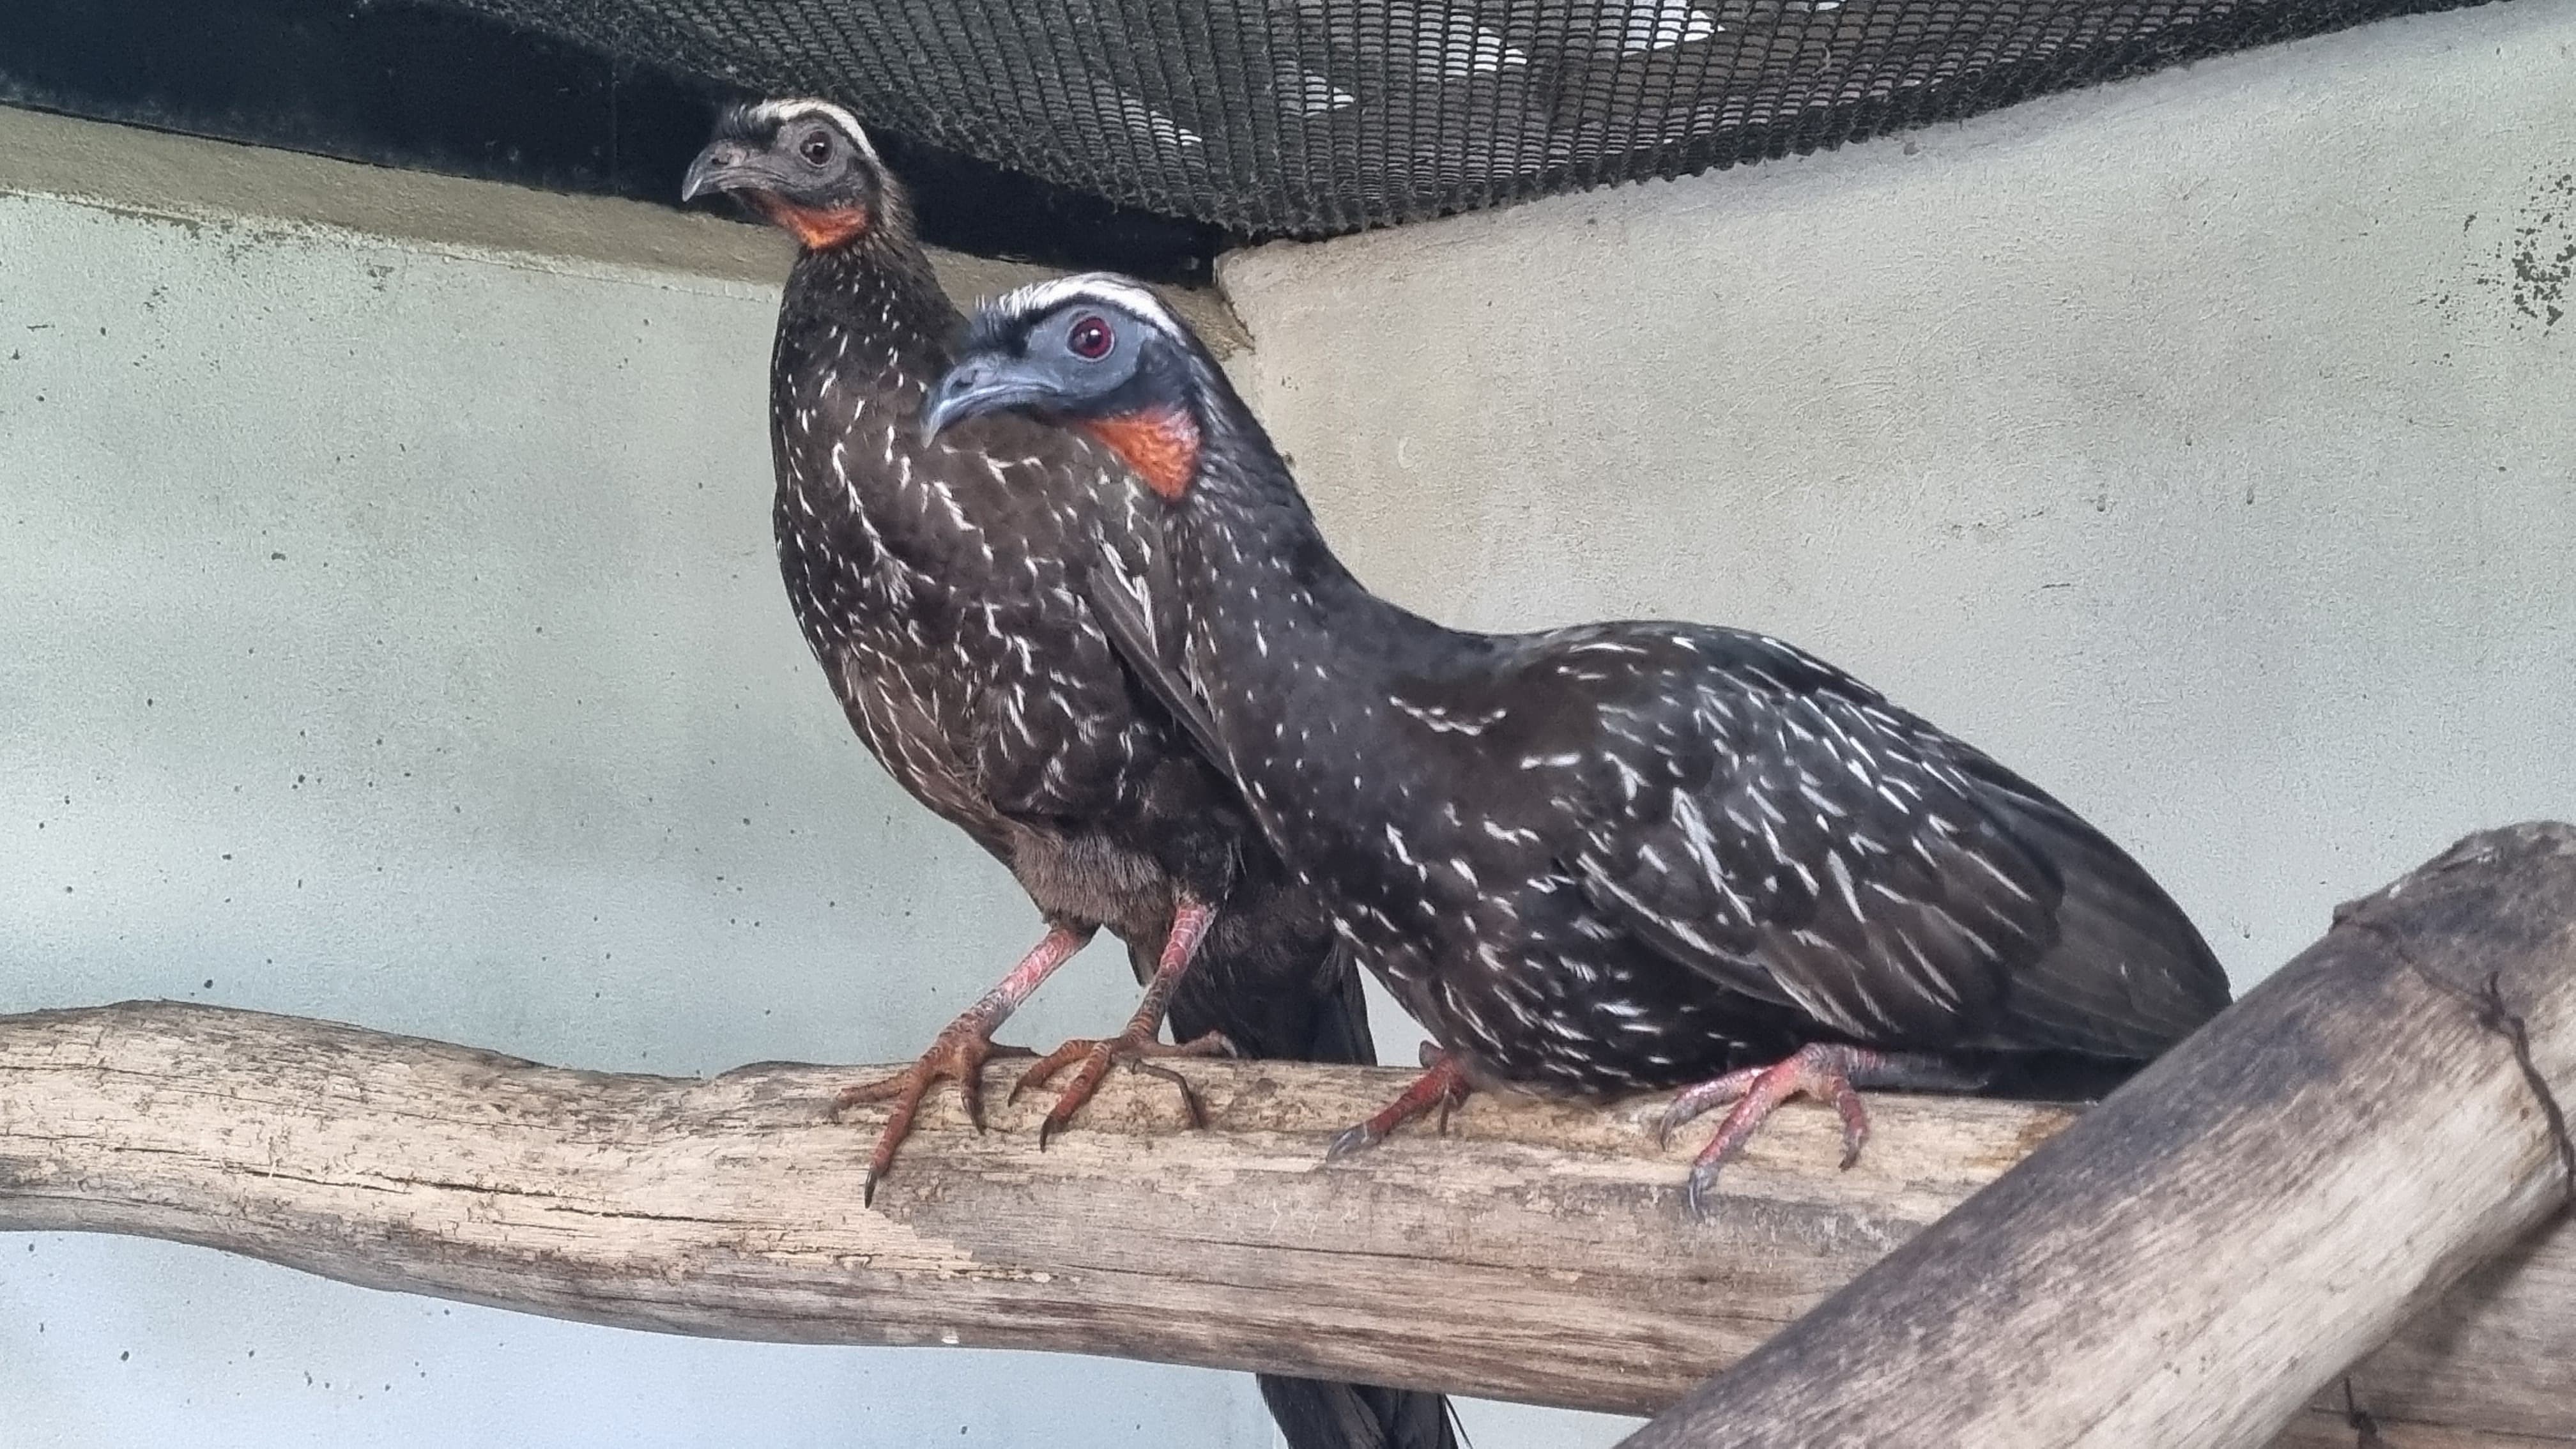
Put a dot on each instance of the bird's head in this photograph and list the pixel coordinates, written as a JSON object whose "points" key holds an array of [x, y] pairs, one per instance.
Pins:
{"points": [[805, 165], [1098, 352]]}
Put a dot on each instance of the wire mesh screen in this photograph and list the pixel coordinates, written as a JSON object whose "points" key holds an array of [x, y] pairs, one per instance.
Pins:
{"points": [[1313, 117]]}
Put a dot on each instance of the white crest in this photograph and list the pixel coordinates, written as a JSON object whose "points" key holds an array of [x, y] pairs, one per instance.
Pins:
{"points": [[782, 112], [1107, 288]]}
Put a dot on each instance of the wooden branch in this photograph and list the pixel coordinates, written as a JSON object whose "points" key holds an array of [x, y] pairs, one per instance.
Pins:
{"points": [[2196, 1259], [1536, 1253]]}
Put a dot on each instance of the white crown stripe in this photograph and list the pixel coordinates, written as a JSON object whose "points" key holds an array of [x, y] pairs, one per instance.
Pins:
{"points": [[781, 112], [1106, 288]]}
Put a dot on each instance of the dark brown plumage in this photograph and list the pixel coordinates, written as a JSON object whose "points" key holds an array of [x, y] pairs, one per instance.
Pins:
{"points": [[1606, 858], [932, 580]]}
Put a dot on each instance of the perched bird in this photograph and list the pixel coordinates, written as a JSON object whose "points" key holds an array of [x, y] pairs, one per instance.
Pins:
{"points": [[1607, 858], [931, 580]]}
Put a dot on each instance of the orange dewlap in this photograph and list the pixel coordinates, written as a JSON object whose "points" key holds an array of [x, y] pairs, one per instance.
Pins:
{"points": [[1161, 444], [818, 227]]}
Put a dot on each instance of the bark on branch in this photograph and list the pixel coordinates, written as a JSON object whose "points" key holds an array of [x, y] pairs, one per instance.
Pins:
{"points": [[1537, 1252], [2204, 1252]]}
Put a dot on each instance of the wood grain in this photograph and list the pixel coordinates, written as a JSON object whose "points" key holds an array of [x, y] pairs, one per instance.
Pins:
{"points": [[1537, 1252], [2199, 1257]]}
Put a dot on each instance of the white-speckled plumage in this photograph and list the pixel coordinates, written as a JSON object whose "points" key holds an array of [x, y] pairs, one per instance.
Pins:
{"points": [[1630, 854], [938, 584]]}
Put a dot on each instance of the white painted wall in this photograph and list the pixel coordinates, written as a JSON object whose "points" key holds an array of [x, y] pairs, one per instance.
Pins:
{"points": [[2173, 440], [2180, 442], [389, 632]]}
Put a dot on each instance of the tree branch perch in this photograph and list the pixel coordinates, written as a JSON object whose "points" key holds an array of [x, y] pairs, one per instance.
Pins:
{"points": [[1537, 1253], [2205, 1252]]}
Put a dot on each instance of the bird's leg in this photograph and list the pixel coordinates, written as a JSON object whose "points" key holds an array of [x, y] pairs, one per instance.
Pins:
{"points": [[1190, 921], [1830, 1072], [960, 1051], [1442, 1085]]}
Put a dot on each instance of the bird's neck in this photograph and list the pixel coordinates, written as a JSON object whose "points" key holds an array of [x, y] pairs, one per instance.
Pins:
{"points": [[1295, 658], [863, 331], [1245, 535], [872, 305]]}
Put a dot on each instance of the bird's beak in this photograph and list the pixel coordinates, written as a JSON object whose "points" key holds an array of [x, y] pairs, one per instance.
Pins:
{"points": [[981, 385], [725, 166]]}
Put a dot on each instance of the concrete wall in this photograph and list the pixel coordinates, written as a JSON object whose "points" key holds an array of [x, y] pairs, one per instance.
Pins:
{"points": [[387, 628], [2184, 442], [2181, 442], [389, 632]]}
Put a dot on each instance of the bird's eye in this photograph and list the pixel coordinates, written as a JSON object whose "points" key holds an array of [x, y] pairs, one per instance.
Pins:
{"points": [[816, 148], [1090, 339]]}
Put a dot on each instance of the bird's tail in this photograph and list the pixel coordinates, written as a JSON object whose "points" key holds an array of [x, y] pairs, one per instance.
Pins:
{"points": [[1329, 1025], [2130, 974], [1314, 1414]]}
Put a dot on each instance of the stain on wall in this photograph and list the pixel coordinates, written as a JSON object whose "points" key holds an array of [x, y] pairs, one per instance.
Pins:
{"points": [[2542, 251], [2524, 258]]}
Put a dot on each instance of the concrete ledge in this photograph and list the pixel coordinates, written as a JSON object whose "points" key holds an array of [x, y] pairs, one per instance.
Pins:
{"points": [[192, 180]]}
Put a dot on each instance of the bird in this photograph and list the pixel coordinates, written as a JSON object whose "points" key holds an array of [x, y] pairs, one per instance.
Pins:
{"points": [[929, 579], [1601, 859]]}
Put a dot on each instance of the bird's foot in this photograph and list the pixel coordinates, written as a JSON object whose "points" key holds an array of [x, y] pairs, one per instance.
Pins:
{"points": [[1135, 1047], [959, 1051], [1830, 1072], [1442, 1084]]}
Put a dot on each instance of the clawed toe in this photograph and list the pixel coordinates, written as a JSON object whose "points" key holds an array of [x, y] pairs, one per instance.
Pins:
{"points": [[959, 1052], [1097, 1056], [1822, 1071], [1442, 1085]]}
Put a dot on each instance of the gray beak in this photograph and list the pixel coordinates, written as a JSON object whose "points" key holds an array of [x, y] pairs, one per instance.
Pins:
{"points": [[723, 166], [981, 385]]}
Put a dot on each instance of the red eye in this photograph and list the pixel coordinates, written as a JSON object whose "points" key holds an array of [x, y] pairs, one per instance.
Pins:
{"points": [[1090, 339]]}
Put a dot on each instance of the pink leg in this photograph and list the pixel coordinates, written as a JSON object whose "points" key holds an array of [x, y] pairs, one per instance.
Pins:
{"points": [[1441, 1085], [1141, 1039], [959, 1051]]}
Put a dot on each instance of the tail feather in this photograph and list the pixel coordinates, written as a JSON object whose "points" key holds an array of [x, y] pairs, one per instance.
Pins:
{"points": [[1270, 1004], [2129, 975], [1313, 1414]]}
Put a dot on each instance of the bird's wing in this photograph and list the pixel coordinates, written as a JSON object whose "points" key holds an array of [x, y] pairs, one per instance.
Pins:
{"points": [[1123, 601], [1792, 862], [2129, 975], [1780, 827], [909, 742]]}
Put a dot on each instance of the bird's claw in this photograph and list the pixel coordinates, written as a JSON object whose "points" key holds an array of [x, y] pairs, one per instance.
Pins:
{"points": [[1441, 1085], [1819, 1071], [1097, 1056], [959, 1051], [1705, 1097], [1355, 1138]]}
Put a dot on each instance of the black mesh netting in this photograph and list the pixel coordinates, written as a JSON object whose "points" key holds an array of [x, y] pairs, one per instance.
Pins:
{"points": [[1309, 117]]}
